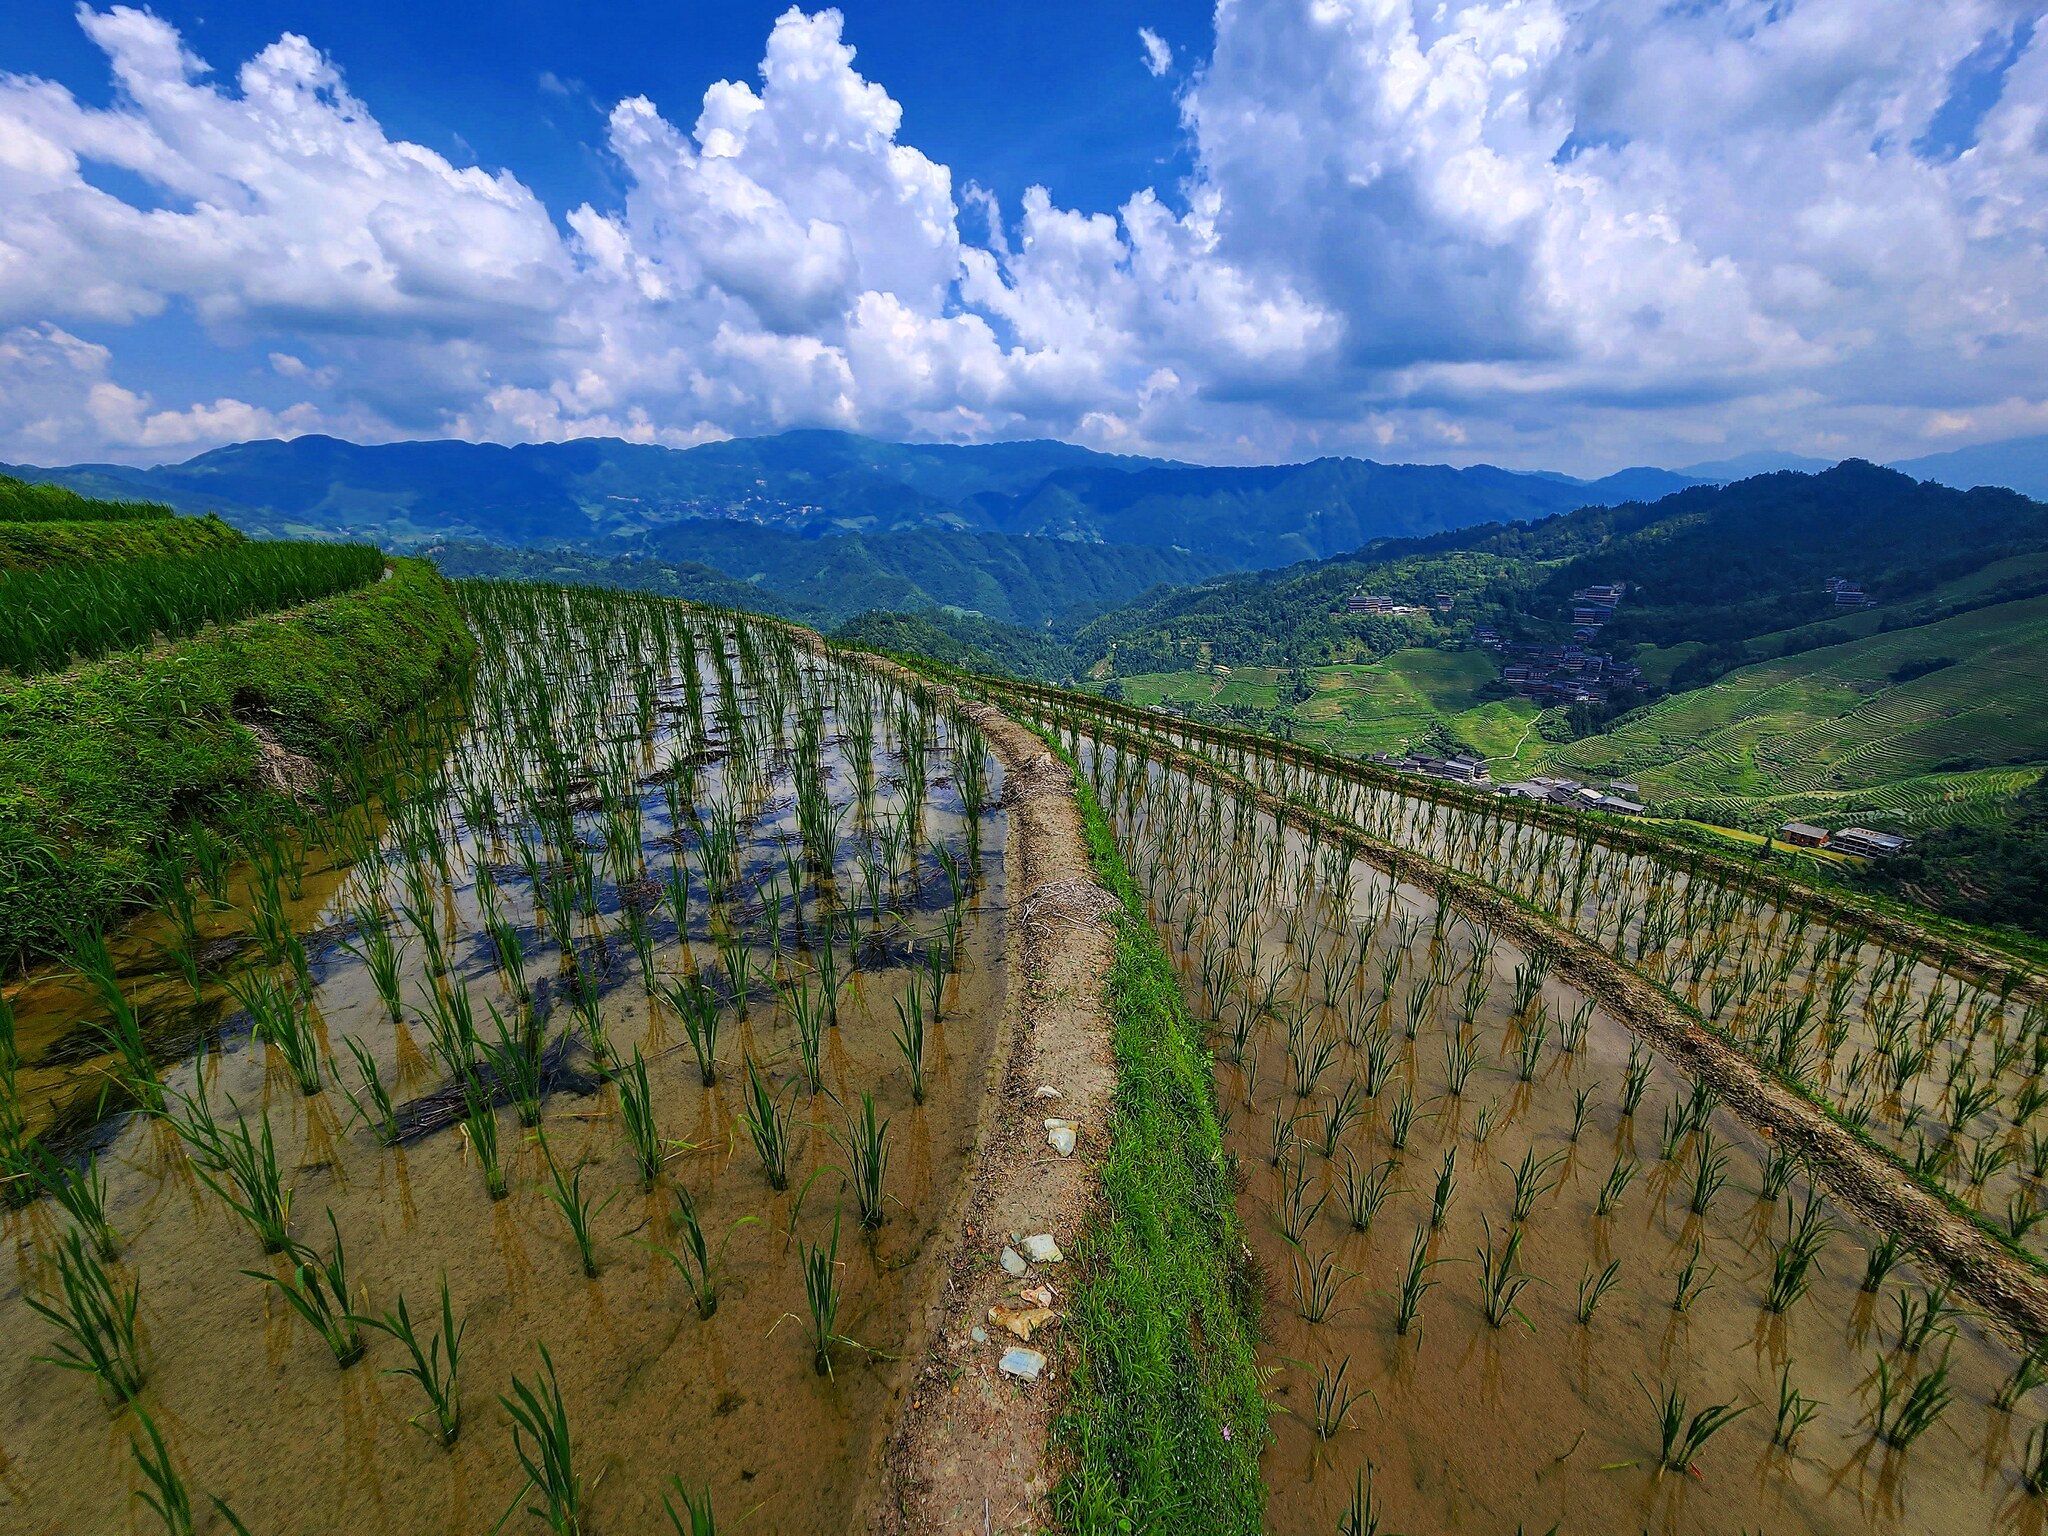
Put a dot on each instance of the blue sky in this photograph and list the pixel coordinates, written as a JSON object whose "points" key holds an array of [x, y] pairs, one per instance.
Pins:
{"points": [[1559, 233]]}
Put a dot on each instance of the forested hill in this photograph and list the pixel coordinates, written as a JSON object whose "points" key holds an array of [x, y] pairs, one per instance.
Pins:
{"points": [[1714, 564], [817, 483]]}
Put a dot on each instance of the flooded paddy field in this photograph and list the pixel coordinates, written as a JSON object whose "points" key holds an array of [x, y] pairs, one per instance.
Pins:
{"points": [[1521, 1272], [628, 1027]]}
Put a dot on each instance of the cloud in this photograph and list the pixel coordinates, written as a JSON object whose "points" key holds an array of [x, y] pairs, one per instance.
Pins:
{"points": [[1557, 231], [1158, 54]]}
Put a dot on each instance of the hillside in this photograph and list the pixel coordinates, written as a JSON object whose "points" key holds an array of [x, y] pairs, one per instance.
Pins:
{"points": [[815, 482], [164, 681]]}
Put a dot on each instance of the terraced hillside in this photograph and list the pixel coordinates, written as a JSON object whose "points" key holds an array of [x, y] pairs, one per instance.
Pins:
{"points": [[164, 679]]}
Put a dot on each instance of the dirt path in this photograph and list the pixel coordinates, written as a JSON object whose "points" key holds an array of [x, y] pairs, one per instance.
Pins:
{"points": [[1860, 1178]]}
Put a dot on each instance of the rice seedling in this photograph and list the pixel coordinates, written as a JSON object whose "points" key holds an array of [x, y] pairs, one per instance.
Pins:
{"points": [[1446, 1183], [96, 1316], [382, 955], [1635, 1079], [767, 1121], [1592, 1288], [546, 1451], [1400, 1119], [1682, 1439], [1882, 1258], [1529, 1177], [636, 1112], [697, 1006], [2031, 1371], [1361, 1516], [279, 1016], [865, 1143], [806, 1008], [1904, 1411], [1294, 1208], [120, 1032], [1806, 1236], [1779, 1167], [2034, 1462], [1619, 1177], [317, 1289], [820, 1264], [1415, 1284], [701, 1266], [910, 1042], [480, 1130], [566, 1195], [1795, 1410], [241, 1168], [696, 1518], [1365, 1193], [1709, 1174], [1502, 1278], [81, 1193], [1693, 1282], [1581, 1109], [434, 1368], [371, 1100], [1923, 1317], [1333, 1398], [17, 1177]]}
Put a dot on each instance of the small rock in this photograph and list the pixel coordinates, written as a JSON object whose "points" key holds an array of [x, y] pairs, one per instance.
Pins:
{"points": [[1038, 1295], [1024, 1363], [1012, 1262], [980, 1335], [1039, 1248], [1021, 1321], [1045, 1091], [1060, 1133]]}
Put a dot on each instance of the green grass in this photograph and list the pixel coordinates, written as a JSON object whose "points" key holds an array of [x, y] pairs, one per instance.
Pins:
{"points": [[50, 617], [1164, 1421], [1831, 734], [99, 766], [46, 546], [26, 503]]}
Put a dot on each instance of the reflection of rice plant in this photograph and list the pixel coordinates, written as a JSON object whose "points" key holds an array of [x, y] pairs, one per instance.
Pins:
{"points": [[540, 1437], [1593, 1287], [865, 1142], [434, 1367], [317, 1289], [1682, 1439], [702, 1269], [1904, 1412], [96, 1316]]}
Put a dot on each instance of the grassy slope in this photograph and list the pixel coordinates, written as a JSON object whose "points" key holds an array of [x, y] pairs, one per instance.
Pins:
{"points": [[1831, 727], [1165, 1420], [99, 764], [45, 546]]}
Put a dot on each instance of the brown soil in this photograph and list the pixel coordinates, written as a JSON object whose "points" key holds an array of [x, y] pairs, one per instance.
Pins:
{"points": [[971, 1449], [1861, 1179]]}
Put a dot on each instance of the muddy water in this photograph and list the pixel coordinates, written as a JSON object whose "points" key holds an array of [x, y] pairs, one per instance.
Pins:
{"points": [[1974, 1060], [1541, 1422], [249, 1399]]}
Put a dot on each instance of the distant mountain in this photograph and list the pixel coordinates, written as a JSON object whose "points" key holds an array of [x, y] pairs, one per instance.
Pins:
{"points": [[821, 484], [1763, 462], [2020, 463]]}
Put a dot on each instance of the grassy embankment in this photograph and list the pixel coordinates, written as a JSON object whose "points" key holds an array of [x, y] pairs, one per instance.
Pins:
{"points": [[103, 764], [1164, 1420]]}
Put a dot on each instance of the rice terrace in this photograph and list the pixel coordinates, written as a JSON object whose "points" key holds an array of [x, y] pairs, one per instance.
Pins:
{"points": [[1200, 768]]}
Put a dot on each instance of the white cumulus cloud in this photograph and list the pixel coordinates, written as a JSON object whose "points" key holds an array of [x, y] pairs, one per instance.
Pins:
{"points": [[1572, 232]]}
